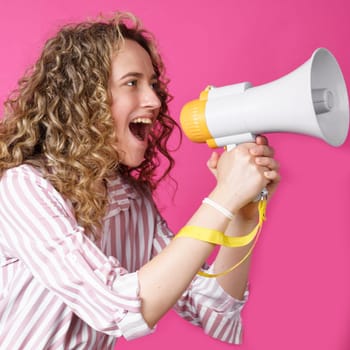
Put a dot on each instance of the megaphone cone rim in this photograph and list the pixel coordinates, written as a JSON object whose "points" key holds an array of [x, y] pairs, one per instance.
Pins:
{"points": [[340, 137]]}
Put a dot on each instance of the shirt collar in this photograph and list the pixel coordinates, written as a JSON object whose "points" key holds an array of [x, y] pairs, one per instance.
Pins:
{"points": [[120, 193]]}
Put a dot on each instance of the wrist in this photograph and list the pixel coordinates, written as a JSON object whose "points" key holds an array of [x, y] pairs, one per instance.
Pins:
{"points": [[249, 213], [230, 203], [229, 215]]}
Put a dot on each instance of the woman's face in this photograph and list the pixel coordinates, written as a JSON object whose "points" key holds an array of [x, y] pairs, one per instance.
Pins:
{"points": [[135, 104]]}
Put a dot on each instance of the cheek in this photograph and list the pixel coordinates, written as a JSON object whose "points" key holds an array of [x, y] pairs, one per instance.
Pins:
{"points": [[114, 113], [119, 114], [122, 106]]}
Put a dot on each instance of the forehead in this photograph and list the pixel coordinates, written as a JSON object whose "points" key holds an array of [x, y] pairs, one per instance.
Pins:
{"points": [[131, 57]]}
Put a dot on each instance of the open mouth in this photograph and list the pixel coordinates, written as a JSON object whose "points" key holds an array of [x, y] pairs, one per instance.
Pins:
{"points": [[141, 128]]}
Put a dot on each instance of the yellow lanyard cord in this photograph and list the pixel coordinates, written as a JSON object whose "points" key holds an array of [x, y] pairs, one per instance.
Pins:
{"points": [[212, 275], [217, 237]]}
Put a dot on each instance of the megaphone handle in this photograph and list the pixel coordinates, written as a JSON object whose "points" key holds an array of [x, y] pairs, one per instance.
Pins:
{"points": [[264, 192]]}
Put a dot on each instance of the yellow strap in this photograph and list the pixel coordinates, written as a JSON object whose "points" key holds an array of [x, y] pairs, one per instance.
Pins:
{"points": [[217, 237], [212, 275]]}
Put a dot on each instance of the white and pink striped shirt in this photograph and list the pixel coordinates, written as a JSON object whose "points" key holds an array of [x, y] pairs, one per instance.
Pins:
{"points": [[61, 290]]}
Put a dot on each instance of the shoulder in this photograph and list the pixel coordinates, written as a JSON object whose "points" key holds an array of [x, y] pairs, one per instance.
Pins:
{"points": [[23, 176], [25, 186], [26, 181]]}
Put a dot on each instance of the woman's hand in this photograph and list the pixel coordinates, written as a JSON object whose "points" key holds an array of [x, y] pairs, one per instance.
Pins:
{"points": [[261, 157]]}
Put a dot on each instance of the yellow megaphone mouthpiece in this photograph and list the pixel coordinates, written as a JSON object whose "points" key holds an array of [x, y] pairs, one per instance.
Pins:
{"points": [[193, 121]]}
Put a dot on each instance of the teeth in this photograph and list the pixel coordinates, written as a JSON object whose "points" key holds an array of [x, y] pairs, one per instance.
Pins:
{"points": [[142, 120]]}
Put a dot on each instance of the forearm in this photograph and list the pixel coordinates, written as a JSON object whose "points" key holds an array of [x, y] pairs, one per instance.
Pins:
{"points": [[165, 278], [235, 282]]}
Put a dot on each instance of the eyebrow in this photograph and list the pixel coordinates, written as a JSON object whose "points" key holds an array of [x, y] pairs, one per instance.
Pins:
{"points": [[137, 74]]}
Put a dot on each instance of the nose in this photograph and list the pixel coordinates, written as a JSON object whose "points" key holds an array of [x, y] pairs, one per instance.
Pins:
{"points": [[150, 98]]}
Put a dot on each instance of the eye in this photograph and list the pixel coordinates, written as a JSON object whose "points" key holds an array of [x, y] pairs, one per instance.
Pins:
{"points": [[155, 84], [132, 82]]}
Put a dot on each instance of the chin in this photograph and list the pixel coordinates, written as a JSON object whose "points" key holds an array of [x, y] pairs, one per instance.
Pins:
{"points": [[132, 163], [133, 158]]}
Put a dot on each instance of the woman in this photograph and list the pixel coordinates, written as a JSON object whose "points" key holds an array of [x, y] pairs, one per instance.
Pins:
{"points": [[85, 255]]}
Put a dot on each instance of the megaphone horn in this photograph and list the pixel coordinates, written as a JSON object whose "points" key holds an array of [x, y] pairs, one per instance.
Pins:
{"points": [[311, 100]]}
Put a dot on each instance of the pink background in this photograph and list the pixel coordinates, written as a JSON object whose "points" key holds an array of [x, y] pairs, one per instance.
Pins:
{"points": [[300, 285]]}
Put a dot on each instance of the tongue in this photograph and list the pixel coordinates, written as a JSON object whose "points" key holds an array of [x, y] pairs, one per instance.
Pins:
{"points": [[138, 130]]}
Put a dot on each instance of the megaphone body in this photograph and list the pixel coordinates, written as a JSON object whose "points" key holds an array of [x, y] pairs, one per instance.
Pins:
{"points": [[311, 100]]}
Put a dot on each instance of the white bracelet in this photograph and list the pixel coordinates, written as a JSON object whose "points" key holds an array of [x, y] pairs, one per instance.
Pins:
{"points": [[218, 207]]}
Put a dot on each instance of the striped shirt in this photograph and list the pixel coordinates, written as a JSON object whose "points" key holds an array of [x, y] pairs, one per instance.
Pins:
{"points": [[61, 290]]}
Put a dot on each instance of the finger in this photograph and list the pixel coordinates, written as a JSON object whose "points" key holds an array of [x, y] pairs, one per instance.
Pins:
{"points": [[267, 162], [261, 140], [262, 150], [213, 162], [272, 175]]}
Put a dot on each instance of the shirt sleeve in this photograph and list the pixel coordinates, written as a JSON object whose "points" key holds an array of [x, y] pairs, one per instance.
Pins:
{"points": [[40, 229], [205, 303]]}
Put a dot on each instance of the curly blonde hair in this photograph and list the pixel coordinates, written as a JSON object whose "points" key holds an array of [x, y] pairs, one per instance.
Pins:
{"points": [[59, 117]]}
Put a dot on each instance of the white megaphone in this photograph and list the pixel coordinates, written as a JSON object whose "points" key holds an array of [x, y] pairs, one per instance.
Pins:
{"points": [[311, 100]]}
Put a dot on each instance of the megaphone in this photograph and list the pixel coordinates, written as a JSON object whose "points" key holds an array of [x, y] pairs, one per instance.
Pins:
{"points": [[311, 100]]}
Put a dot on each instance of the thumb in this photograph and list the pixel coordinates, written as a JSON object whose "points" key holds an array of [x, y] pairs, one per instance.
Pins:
{"points": [[213, 162]]}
